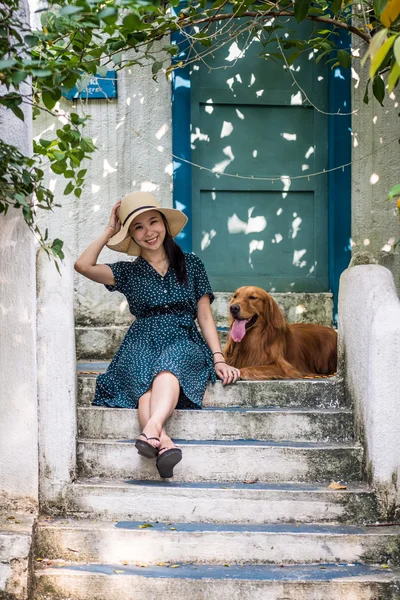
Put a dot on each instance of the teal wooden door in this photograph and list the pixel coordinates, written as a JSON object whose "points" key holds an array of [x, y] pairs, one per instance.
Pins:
{"points": [[249, 118]]}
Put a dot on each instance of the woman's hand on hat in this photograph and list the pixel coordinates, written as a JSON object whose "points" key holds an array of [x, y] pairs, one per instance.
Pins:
{"points": [[114, 224]]}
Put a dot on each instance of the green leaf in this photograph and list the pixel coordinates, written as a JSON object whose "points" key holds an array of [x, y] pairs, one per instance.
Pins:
{"points": [[45, 143], [18, 112], [379, 7], [396, 50], [378, 89], [156, 67], [57, 168], [366, 95], [78, 192], [344, 58], [6, 64], [56, 248], [393, 77], [395, 191], [69, 10], [378, 58], [18, 76], [301, 9], [69, 188], [41, 72], [48, 100], [336, 6]]}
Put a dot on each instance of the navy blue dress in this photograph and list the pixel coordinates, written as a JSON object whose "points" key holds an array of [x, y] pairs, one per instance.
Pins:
{"points": [[164, 336]]}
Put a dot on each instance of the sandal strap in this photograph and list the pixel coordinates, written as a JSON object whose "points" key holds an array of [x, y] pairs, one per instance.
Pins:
{"points": [[149, 438]]}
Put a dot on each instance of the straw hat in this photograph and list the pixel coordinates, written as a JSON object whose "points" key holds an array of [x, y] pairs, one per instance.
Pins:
{"points": [[135, 204]]}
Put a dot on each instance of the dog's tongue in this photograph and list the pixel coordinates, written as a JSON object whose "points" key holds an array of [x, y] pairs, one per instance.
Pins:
{"points": [[238, 330]]}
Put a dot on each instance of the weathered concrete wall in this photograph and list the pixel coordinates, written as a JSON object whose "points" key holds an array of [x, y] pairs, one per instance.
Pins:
{"points": [[123, 162], [369, 345], [376, 156], [56, 377], [18, 422]]}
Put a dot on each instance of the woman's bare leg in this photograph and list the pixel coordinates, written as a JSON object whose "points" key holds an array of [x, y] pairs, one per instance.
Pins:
{"points": [[163, 400]]}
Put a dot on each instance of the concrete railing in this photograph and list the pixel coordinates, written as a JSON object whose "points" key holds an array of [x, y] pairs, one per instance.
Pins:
{"points": [[56, 372], [369, 347]]}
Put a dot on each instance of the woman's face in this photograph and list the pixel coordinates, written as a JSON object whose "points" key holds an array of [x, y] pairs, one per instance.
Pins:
{"points": [[148, 230]]}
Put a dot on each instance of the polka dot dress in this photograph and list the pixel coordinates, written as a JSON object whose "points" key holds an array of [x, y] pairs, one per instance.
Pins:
{"points": [[164, 336]]}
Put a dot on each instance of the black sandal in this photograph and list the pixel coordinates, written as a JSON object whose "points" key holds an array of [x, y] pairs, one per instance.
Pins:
{"points": [[145, 449], [166, 462]]}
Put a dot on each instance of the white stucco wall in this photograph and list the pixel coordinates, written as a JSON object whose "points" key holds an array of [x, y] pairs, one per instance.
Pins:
{"points": [[376, 156], [18, 420], [56, 376], [369, 341], [123, 162]]}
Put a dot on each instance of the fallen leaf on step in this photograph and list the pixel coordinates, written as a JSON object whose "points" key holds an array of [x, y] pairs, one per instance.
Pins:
{"points": [[39, 559], [115, 520], [250, 481], [17, 522], [72, 550], [226, 565], [116, 571], [173, 528], [322, 567], [125, 562], [141, 565], [11, 518], [145, 525], [384, 566], [174, 566], [336, 485], [64, 523], [160, 564]]}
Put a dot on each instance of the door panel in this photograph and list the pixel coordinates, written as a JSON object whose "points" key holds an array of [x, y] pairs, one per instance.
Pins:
{"points": [[249, 119]]}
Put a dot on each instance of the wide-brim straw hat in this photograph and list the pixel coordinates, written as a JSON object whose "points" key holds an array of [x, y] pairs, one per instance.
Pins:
{"points": [[133, 205]]}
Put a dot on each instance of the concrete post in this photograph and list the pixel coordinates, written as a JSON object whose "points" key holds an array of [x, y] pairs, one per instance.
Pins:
{"points": [[56, 378], [369, 341], [18, 420]]}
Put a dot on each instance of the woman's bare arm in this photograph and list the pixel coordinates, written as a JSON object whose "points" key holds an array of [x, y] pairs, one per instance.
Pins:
{"points": [[87, 262], [206, 321]]}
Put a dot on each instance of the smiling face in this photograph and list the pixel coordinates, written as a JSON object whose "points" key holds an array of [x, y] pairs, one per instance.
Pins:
{"points": [[252, 308], [148, 230]]}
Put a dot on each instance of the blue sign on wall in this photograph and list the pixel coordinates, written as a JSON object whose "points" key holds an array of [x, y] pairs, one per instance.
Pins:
{"points": [[97, 86]]}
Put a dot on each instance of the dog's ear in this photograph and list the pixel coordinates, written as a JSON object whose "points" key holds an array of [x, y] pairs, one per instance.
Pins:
{"points": [[272, 313]]}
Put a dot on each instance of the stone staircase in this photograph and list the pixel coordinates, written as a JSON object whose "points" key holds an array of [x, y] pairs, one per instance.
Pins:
{"points": [[247, 515]]}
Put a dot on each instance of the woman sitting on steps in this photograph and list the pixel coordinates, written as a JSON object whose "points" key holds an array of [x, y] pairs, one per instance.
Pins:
{"points": [[163, 361]]}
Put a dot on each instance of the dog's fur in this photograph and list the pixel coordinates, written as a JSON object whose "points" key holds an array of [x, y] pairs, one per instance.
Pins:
{"points": [[272, 349]]}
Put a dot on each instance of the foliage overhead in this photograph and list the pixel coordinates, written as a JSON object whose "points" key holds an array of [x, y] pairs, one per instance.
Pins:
{"points": [[78, 39]]}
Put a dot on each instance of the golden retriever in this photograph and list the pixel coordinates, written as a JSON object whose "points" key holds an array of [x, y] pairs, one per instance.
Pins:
{"points": [[263, 346]]}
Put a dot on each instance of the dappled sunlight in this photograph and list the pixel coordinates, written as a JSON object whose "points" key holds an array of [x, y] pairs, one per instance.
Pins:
{"points": [[207, 237], [108, 169]]}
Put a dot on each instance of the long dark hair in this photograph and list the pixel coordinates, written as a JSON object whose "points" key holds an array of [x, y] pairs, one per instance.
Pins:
{"points": [[174, 253]]}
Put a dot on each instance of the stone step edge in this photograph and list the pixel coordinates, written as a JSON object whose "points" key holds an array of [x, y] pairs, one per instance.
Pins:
{"points": [[297, 488], [272, 529], [239, 443], [289, 573], [306, 410]]}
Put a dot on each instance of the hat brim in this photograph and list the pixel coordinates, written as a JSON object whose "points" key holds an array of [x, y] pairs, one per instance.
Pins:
{"points": [[122, 241]]}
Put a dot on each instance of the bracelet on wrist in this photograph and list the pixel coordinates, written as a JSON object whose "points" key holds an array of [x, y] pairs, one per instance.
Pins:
{"points": [[220, 362], [218, 353]]}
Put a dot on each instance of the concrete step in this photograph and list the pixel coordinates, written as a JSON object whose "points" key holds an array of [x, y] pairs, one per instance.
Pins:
{"points": [[221, 502], [276, 424], [15, 553], [100, 340], [313, 393], [233, 582], [227, 461], [103, 542]]}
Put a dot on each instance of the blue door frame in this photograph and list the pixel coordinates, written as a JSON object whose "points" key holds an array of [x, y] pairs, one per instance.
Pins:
{"points": [[339, 153]]}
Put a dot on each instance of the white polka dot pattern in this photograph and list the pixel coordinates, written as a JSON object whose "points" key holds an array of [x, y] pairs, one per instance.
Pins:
{"points": [[164, 336]]}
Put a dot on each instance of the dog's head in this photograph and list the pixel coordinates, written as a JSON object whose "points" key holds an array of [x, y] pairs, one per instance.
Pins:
{"points": [[251, 308]]}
